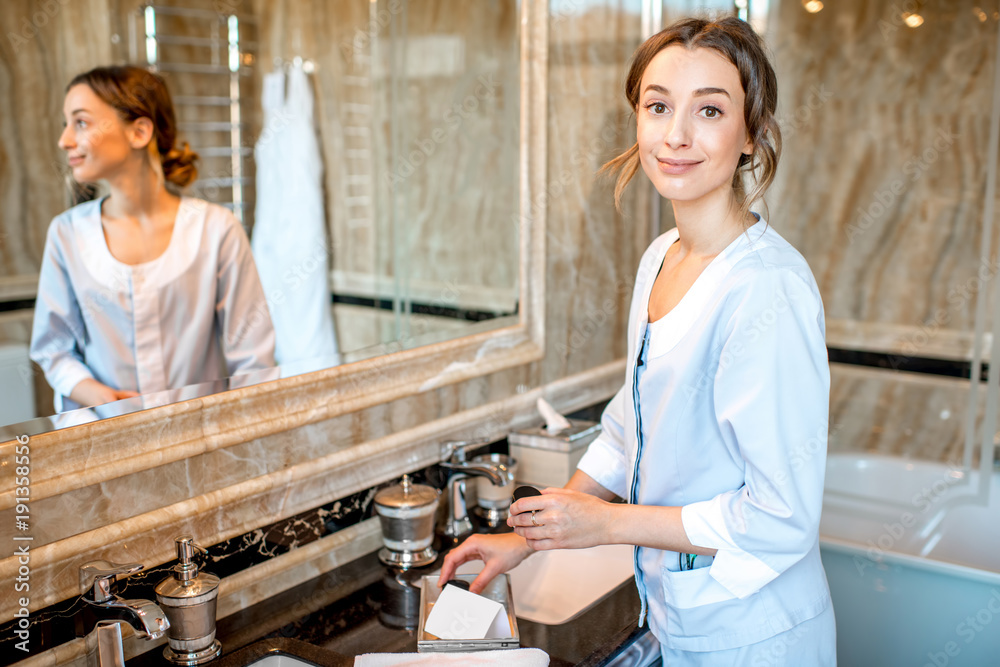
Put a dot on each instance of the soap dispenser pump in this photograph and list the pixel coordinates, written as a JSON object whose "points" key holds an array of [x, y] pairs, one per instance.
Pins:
{"points": [[189, 599]]}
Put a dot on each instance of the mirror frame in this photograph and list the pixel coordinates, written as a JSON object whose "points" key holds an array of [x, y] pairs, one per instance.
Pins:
{"points": [[114, 447]]}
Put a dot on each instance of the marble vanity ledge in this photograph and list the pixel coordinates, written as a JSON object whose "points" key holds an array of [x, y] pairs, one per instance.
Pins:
{"points": [[465, 296], [109, 449], [242, 590], [234, 510], [904, 339], [283, 572], [215, 516], [18, 287], [245, 588], [55, 625], [898, 413]]}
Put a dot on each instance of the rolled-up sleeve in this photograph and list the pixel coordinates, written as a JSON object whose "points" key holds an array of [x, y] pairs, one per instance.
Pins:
{"points": [[58, 331], [771, 398], [606, 460]]}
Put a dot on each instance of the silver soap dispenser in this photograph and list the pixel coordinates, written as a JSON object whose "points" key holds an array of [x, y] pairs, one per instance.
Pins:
{"points": [[189, 598]]}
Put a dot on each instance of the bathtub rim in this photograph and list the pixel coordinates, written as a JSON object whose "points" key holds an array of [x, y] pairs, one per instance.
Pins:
{"points": [[919, 562]]}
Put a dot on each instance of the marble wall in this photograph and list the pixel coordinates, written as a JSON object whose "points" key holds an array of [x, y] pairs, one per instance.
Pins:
{"points": [[47, 44], [41, 50], [219, 480], [417, 112], [883, 177], [43, 46], [417, 118], [592, 249], [206, 487], [882, 187]]}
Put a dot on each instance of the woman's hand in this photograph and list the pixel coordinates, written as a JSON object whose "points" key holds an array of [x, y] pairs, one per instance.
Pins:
{"points": [[500, 553], [90, 392], [563, 519]]}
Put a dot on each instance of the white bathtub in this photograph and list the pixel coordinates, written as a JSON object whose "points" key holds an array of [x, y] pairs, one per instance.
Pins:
{"points": [[912, 553]]}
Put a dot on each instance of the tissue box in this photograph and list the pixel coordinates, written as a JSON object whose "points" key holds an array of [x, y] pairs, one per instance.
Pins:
{"points": [[498, 590], [550, 459]]}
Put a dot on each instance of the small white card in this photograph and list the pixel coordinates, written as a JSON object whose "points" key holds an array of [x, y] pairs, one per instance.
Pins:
{"points": [[459, 614]]}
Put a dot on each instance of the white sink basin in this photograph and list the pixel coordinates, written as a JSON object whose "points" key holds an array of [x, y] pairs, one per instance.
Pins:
{"points": [[553, 587], [281, 660]]}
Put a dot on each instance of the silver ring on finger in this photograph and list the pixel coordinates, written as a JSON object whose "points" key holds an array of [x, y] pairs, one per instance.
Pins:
{"points": [[533, 522]]}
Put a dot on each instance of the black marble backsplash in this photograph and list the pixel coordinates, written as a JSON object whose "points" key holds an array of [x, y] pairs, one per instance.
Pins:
{"points": [[66, 620]]}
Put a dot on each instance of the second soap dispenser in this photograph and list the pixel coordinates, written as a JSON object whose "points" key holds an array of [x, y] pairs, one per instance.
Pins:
{"points": [[189, 599]]}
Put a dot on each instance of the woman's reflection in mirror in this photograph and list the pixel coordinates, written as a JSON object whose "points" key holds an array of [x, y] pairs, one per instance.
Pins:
{"points": [[142, 290]]}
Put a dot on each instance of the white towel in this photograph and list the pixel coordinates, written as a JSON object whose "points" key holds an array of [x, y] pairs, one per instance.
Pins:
{"points": [[520, 657], [289, 235]]}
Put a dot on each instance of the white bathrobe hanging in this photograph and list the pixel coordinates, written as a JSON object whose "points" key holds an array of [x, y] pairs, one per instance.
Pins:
{"points": [[289, 240]]}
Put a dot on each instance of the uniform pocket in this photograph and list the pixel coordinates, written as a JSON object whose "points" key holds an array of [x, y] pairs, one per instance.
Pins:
{"points": [[693, 588], [702, 615]]}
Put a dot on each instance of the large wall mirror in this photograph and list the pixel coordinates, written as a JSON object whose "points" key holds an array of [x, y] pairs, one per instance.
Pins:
{"points": [[427, 245]]}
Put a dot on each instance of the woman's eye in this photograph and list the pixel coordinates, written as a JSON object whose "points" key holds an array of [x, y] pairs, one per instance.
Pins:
{"points": [[81, 124], [712, 112], [657, 107]]}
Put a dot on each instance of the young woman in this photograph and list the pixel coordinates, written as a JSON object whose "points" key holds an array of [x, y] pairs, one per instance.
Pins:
{"points": [[142, 290], [717, 440]]}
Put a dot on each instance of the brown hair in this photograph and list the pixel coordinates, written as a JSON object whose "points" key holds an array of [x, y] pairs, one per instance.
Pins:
{"points": [[138, 93], [736, 41]]}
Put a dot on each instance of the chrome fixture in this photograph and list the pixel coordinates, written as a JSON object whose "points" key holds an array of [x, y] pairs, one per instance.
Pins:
{"points": [[453, 455], [104, 643], [406, 513], [189, 598]]}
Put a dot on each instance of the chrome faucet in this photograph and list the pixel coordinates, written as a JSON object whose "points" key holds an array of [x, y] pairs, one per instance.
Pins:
{"points": [[104, 643], [453, 455]]}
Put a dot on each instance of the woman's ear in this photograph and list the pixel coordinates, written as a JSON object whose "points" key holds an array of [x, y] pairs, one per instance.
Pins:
{"points": [[140, 132]]}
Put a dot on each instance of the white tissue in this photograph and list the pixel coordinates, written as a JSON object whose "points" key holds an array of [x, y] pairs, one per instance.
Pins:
{"points": [[554, 422], [522, 657], [459, 614]]}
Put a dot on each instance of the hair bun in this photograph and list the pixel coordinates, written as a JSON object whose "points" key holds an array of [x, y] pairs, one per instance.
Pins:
{"points": [[179, 167]]}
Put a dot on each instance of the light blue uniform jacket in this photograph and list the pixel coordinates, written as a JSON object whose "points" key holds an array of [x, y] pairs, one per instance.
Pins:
{"points": [[194, 314], [734, 407]]}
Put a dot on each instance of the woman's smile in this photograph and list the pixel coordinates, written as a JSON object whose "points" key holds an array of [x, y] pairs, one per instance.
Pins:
{"points": [[690, 124], [676, 167]]}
